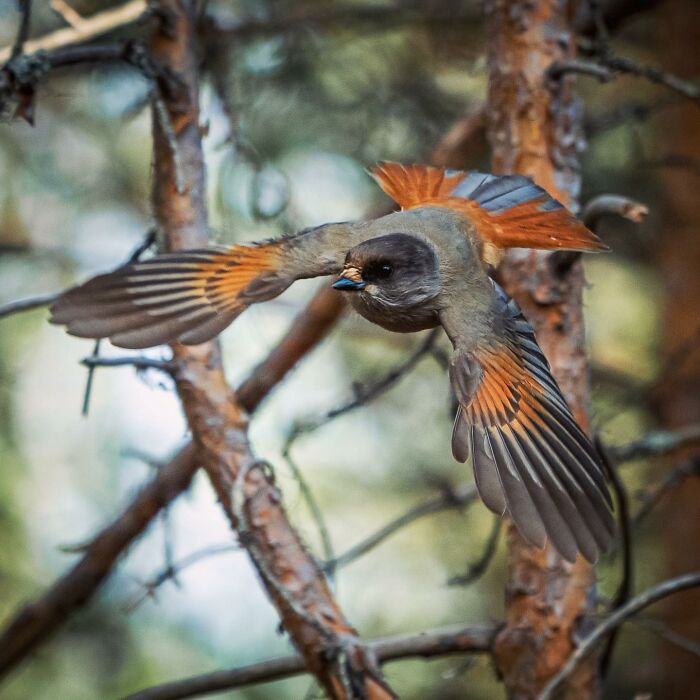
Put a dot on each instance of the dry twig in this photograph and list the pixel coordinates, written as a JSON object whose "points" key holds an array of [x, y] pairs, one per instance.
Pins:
{"points": [[89, 28], [426, 645], [639, 602]]}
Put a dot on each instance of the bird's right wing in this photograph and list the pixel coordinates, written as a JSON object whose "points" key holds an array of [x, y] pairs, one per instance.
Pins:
{"points": [[191, 296], [531, 459]]}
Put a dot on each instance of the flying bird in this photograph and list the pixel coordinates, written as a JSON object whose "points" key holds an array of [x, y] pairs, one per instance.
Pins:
{"points": [[420, 267]]}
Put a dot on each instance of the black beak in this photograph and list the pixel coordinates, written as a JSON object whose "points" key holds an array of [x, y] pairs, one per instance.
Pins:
{"points": [[347, 285]]}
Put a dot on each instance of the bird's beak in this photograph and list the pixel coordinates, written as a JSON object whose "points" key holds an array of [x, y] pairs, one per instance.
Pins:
{"points": [[350, 280]]}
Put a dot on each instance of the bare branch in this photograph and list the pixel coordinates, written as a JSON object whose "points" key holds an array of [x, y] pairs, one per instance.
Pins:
{"points": [[89, 28], [480, 566], [606, 68], [369, 19], [172, 570], [67, 13], [626, 585], [309, 328], [639, 602], [662, 630], [139, 363], [652, 497], [22, 29], [657, 444], [427, 645], [453, 498], [15, 307], [582, 67], [463, 142], [365, 394], [37, 620], [612, 205], [592, 213]]}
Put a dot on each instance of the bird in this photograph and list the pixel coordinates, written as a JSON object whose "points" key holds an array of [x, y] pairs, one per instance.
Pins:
{"points": [[425, 265]]}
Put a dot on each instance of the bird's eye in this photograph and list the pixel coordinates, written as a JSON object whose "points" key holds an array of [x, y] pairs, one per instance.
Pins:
{"points": [[384, 271]]}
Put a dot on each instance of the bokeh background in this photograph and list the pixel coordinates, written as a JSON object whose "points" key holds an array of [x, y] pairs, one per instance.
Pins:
{"points": [[294, 116]]}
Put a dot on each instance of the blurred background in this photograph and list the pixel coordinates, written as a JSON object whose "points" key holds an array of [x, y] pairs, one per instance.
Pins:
{"points": [[295, 114]]}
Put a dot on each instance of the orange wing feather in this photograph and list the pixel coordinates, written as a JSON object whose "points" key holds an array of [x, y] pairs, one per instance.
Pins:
{"points": [[530, 457], [188, 297]]}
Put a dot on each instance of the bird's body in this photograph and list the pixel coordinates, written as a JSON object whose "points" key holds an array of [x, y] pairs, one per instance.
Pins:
{"points": [[418, 268]]}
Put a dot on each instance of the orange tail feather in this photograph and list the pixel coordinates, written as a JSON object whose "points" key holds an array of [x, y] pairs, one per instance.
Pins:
{"points": [[507, 211]]}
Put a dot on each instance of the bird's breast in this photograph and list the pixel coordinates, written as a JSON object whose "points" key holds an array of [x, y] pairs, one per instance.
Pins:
{"points": [[403, 319]]}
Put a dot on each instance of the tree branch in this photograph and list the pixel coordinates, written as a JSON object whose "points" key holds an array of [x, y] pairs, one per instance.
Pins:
{"points": [[657, 444], [89, 28], [15, 307], [657, 492], [367, 19], [643, 600], [606, 68], [37, 620], [139, 363], [452, 498], [365, 394], [427, 645], [245, 487]]}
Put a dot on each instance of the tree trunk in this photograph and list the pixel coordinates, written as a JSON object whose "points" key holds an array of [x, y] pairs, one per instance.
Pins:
{"points": [[534, 129], [677, 398]]}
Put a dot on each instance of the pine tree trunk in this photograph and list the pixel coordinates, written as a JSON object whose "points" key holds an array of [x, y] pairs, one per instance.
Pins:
{"points": [[534, 129]]}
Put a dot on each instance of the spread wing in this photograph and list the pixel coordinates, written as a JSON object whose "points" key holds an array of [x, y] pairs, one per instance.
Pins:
{"points": [[191, 296], [508, 211], [531, 459]]}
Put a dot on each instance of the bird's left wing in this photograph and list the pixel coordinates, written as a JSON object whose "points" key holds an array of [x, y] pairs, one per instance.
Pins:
{"points": [[531, 459]]}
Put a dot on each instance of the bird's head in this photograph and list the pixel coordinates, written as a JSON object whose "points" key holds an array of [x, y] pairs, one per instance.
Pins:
{"points": [[396, 270]]}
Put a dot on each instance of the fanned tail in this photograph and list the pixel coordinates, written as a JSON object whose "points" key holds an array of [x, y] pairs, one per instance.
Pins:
{"points": [[507, 211], [188, 297]]}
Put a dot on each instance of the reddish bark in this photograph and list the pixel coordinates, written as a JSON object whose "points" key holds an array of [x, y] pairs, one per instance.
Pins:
{"points": [[534, 129], [246, 489], [677, 398]]}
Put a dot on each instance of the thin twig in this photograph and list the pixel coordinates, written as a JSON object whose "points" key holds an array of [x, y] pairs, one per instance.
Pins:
{"points": [[314, 508], [175, 568], [662, 630], [90, 363], [138, 362], [453, 498], [626, 585], [426, 645], [612, 205], [657, 444], [368, 19], [652, 497], [15, 307], [364, 393], [639, 602], [36, 621], [69, 15], [25, 8], [606, 68], [477, 569], [89, 28], [592, 213]]}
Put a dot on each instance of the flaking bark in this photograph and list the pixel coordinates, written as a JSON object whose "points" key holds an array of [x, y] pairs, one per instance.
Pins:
{"points": [[534, 129], [246, 489]]}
